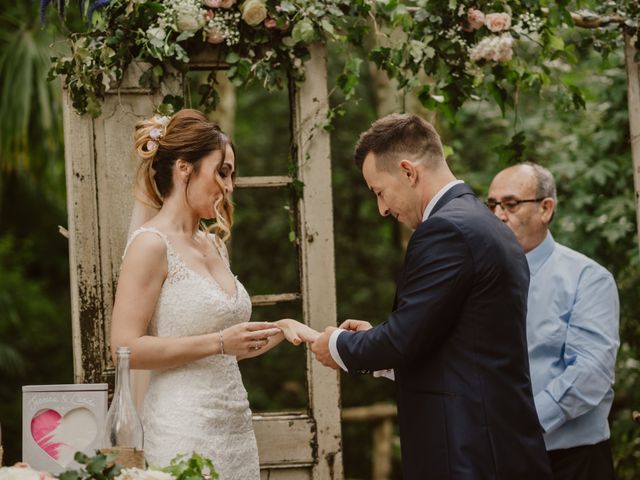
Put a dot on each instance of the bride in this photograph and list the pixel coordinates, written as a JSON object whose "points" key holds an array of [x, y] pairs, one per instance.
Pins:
{"points": [[180, 309]]}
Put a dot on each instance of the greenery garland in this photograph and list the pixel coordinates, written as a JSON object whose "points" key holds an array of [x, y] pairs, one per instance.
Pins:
{"points": [[465, 49]]}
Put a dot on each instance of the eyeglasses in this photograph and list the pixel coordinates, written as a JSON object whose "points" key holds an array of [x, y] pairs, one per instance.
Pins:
{"points": [[510, 205]]}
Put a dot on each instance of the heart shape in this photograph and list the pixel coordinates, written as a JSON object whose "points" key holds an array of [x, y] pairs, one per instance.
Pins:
{"points": [[61, 436]]}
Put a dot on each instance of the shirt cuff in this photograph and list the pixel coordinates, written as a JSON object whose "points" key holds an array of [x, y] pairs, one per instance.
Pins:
{"points": [[550, 414], [389, 373], [333, 348]]}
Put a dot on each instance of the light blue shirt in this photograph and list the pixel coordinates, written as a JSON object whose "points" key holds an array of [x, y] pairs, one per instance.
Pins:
{"points": [[572, 336]]}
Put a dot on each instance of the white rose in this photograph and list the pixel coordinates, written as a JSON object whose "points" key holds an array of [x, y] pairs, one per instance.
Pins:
{"points": [[187, 23], [505, 48], [156, 33], [140, 474], [18, 473], [494, 48], [254, 12]]}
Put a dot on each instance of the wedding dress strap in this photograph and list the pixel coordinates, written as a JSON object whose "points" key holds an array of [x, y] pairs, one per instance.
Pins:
{"points": [[148, 229], [176, 269]]}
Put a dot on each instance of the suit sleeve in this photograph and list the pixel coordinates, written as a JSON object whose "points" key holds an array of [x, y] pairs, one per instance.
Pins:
{"points": [[437, 277]]}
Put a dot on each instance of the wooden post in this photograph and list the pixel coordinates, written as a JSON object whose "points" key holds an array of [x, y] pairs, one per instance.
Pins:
{"points": [[382, 416], [633, 96], [312, 150], [382, 443]]}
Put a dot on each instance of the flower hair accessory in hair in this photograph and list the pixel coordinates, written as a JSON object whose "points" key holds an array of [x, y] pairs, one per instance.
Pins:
{"points": [[163, 120], [156, 134]]}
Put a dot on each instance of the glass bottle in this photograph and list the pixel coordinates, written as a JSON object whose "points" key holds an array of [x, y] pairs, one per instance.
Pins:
{"points": [[123, 435]]}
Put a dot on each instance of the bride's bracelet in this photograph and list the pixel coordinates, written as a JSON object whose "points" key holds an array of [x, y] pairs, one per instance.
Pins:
{"points": [[221, 343]]}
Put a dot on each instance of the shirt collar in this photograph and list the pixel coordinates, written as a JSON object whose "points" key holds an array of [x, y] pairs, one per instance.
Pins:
{"points": [[539, 255], [438, 196]]}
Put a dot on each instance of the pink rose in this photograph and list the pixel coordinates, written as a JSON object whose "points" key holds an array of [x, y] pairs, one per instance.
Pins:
{"points": [[213, 3], [475, 18], [270, 23], [497, 22], [214, 36]]}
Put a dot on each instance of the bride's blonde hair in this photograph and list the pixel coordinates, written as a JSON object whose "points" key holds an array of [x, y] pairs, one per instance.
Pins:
{"points": [[187, 135]]}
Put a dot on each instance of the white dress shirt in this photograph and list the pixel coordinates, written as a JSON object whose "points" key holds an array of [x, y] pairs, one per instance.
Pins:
{"points": [[333, 340]]}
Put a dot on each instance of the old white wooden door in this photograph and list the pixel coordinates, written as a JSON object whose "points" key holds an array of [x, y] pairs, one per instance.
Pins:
{"points": [[100, 169]]}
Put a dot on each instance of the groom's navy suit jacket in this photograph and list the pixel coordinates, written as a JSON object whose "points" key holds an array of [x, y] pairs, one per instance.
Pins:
{"points": [[457, 341]]}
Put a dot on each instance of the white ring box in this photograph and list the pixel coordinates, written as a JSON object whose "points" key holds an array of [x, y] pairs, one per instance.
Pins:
{"points": [[58, 421]]}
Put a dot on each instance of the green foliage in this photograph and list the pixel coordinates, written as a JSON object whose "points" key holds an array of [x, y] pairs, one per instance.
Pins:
{"points": [[409, 40], [103, 467], [150, 31], [191, 467], [97, 467]]}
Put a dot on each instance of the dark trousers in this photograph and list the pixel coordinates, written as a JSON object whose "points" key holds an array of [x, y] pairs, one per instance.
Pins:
{"points": [[587, 462]]}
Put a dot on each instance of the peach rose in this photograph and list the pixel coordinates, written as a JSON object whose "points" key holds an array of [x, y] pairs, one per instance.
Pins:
{"points": [[497, 22], [254, 12], [475, 18], [214, 36], [227, 3], [270, 23]]}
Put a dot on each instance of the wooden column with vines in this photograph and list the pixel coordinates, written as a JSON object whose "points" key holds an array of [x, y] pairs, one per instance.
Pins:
{"points": [[312, 149]]}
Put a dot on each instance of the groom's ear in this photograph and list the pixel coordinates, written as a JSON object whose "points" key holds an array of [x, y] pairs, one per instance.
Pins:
{"points": [[409, 171]]}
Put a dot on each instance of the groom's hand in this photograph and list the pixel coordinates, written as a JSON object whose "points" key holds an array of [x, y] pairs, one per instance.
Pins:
{"points": [[321, 349], [355, 325]]}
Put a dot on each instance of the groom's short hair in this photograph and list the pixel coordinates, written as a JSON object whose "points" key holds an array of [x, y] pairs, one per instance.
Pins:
{"points": [[400, 135]]}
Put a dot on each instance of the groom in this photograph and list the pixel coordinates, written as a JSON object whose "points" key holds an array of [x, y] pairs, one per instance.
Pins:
{"points": [[456, 337]]}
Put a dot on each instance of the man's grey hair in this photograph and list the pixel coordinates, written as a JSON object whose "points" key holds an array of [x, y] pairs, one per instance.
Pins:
{"points": [[545, 184]]}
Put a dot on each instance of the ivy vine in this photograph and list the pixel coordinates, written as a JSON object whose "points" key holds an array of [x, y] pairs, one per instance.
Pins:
{"points": [[491, 49]]}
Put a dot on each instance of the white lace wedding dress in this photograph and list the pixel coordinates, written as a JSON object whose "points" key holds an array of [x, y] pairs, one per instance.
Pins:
{"points": [[201, 406]]}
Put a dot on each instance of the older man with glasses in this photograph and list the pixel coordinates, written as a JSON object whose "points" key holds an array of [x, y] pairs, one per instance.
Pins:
{"points": [[572, 328]]}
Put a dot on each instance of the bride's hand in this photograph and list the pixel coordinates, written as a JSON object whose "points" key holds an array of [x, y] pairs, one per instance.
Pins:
{"points": [[247, 337], [296, 332]]}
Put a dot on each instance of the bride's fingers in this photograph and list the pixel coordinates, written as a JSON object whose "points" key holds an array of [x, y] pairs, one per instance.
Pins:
{"points": [[254, 326], [291, 335], [263, 334]]}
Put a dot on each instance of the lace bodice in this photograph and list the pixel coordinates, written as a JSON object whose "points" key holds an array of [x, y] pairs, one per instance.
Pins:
{"points": [[202, 405]]}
